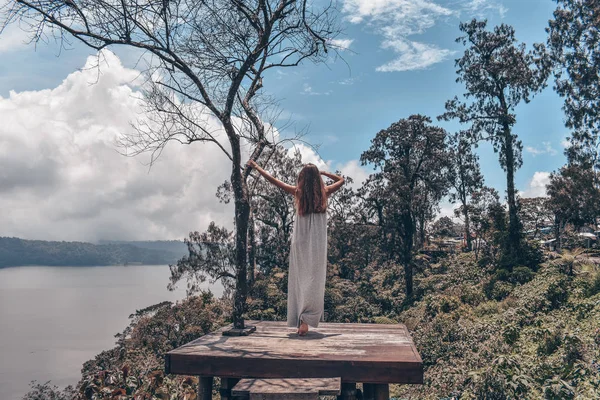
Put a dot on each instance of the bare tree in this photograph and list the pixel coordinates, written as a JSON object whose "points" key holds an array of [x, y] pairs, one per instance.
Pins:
{"points": [[206, 61]]}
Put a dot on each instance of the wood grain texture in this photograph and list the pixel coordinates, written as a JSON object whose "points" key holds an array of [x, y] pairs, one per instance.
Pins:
{"points": [[320, 387], [368, 353]]}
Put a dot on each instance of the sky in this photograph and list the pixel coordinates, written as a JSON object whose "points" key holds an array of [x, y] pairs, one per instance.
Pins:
{"points": [[62, 177]]}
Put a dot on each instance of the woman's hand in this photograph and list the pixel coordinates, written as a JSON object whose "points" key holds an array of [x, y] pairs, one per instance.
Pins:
{"points": [[252, 163]]}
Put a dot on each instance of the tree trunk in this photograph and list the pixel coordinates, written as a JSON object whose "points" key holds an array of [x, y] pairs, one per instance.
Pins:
{"points": [[242, 215], [467, 228], [514, 236], [407, 246], [422, 232], [557, 224], [251, 252], [513, 219]]}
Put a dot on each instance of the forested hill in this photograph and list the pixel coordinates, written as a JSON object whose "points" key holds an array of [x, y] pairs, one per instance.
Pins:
{"points": [[173, 246], [17, 252]]}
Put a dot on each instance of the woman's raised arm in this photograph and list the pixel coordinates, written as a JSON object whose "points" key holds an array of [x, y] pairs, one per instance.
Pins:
{"points": [[282, 185], [338, 181]]}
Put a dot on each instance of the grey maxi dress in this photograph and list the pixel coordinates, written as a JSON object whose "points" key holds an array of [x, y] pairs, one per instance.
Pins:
{"points": [[308, 270]]}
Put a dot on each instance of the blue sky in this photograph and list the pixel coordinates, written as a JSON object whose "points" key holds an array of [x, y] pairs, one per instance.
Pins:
{"points": [[352, 114], [400, 62]]}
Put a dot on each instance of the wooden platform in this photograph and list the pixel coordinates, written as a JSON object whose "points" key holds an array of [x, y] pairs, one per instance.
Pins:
{"points": [[287, 388], [366, 353]]}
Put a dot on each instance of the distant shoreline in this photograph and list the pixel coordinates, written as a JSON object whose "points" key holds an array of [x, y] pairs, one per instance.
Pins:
{"points": [[80, 266], [16, 252]]}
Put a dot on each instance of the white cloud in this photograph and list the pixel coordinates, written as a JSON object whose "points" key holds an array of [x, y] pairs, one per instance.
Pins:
{"points": [[413, 56], [351, 168], [537, 185], [12, 38], [348, 81], [309, 155], [341, 44], [447, 210], [414, 15], [62, 178], [308, 90], [546, 148], [396, 20], [354, 170], [479, 8]]}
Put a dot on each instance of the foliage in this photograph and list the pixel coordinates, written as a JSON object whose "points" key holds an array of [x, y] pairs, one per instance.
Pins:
{"points": [[535, 213], [210, 254], [466, 179], [498, 74], [445, 227], [574, 196], [483, 202], [532, 344], [135, 367], [47, 391], [574, 44], [411, 176]]}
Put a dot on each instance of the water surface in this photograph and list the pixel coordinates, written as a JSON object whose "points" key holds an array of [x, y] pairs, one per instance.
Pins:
{"points": [[53, 319]]}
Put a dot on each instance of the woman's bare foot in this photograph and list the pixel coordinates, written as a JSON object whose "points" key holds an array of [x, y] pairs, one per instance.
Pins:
{"points": [[303, 330]]}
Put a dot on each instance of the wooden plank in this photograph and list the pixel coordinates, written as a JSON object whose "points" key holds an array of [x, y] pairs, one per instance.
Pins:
{"points": [[349, 371], [322, 387], [279, 396], [369, 353], [329, 343]]}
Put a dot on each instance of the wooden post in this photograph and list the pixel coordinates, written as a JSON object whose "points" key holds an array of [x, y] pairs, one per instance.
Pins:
{"points": [[373, 391], [226, 385], [348, 391], [205, 384], [368, 391]]}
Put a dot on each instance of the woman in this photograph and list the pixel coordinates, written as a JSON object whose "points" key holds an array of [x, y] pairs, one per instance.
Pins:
{"points": [[308, 254]]}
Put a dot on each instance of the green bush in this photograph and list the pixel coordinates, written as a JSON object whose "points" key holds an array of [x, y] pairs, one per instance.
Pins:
{"points": [[502, 275], [441, 304], [471, 295], [499, 290], [594, 286], [384, 320], [557, 293], [558, 389], [521, 275], [573, 346], [487, 308], [550, 342], [511, 333]]}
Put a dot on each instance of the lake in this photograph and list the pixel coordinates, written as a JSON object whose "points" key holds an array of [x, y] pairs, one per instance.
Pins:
{"points": [[53, 319]]}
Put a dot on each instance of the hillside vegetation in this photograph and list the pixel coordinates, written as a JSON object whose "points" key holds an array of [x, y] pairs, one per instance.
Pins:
{"points": [[525, 336]]}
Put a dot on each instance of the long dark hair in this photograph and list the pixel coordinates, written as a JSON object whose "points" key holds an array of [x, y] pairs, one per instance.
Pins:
{"points": [[310, 191]]}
